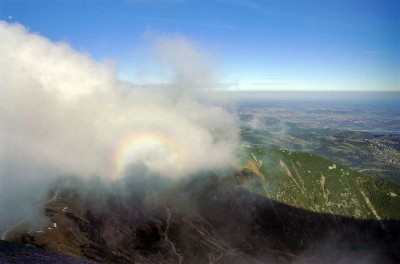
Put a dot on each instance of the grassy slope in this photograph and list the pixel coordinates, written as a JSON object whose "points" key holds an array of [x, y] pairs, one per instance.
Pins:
{"points": [[312, 182]]}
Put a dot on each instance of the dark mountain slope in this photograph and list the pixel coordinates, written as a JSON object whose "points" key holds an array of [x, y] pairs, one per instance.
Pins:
{"points": [[18, 253], [210, 219]]}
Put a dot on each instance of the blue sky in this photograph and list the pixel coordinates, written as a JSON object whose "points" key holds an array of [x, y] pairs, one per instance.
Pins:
{"points": [[261, 45]]}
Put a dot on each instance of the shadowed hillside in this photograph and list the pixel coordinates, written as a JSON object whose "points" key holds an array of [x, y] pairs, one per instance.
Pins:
{"points": [[17, 253], [207, 219]]}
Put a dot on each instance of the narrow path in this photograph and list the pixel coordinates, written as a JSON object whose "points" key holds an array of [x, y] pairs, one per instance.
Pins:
{"points": [[5, 233], [169, 241]]}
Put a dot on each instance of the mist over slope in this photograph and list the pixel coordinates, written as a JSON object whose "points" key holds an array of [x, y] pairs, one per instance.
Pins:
{"points": [[63, 113], [207, 219]]}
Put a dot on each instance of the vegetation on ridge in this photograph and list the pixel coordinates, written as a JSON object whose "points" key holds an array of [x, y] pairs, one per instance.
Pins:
{"points": [[312, 182]]}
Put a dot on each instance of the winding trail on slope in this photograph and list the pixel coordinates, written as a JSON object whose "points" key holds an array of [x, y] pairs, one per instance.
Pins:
{"points": [[174, 251], [5, 233]]}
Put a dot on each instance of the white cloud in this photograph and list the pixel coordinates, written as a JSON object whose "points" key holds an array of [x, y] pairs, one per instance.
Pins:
{"points": [[63, 113]]}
